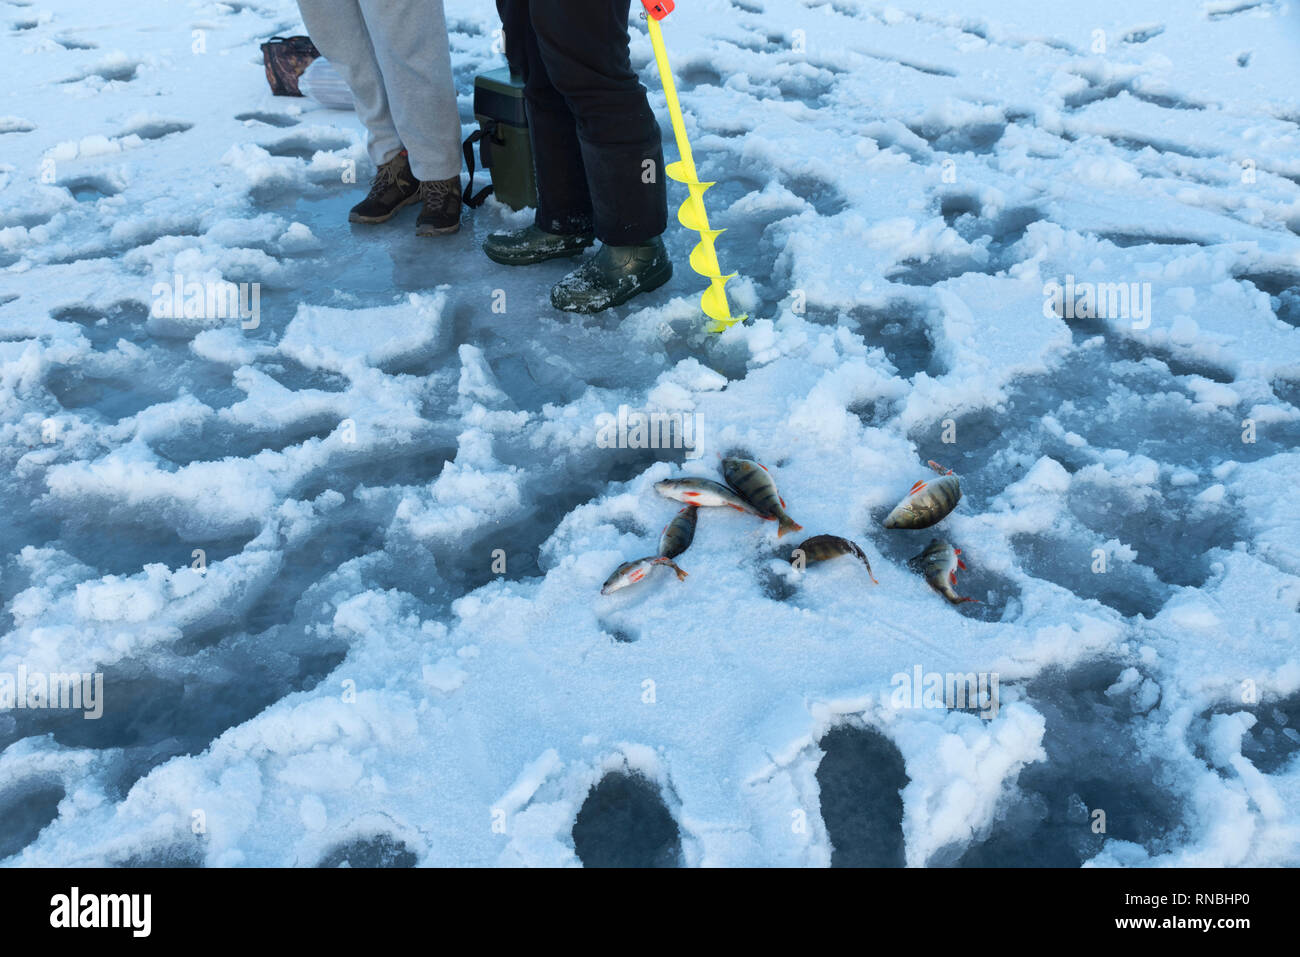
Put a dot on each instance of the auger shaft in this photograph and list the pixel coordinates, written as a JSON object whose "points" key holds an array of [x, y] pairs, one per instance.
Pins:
{"points": [[670, 94], [692, 214]]}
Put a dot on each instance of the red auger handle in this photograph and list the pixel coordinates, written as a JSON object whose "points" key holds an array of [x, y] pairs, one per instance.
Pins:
{"points": [[658, 8]]}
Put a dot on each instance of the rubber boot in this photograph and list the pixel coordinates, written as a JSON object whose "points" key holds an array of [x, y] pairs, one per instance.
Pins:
{"points": [[522, 247], [613, 276]]}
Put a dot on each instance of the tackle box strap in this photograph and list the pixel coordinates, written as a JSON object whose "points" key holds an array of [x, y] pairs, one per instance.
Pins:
{"points": [[484, 137]]}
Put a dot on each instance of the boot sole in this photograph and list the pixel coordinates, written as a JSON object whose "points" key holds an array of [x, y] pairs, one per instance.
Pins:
{"points": [[371, 220], [436, 230], [531, 260]]}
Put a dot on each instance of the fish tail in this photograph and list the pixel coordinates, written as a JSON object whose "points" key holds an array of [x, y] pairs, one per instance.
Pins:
{"points": [[788, 524], [681, 575], [862, 557]]}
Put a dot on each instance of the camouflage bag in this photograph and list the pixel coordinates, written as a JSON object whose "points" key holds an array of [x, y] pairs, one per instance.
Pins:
{"points": [[285, 59]]}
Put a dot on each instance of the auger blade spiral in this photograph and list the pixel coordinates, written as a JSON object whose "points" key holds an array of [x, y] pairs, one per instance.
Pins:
{"points": [[691, 214]]}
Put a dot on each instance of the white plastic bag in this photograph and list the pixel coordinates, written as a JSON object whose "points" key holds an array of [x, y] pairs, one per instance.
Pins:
{"points": [[322, 83]]}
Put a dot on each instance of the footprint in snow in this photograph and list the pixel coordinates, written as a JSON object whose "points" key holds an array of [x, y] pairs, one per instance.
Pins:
{"points": [[280, 120]]}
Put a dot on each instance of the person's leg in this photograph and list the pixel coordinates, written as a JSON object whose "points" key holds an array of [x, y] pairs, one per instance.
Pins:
{"points": [[583, 46], [563, 200], [409, 39], [339, 32], [563, 223]]}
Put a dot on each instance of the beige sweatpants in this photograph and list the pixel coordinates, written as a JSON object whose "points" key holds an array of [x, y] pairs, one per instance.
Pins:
{"points": [[396, 59]]}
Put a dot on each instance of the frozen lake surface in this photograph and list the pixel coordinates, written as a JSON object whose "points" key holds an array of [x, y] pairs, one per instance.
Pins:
{"points": [[341, 571]]}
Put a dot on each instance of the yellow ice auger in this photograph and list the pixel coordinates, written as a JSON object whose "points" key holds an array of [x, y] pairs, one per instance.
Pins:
{"points": [[704, 257]]}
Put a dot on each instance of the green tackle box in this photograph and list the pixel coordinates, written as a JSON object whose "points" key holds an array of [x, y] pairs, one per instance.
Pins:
{"points": [[504, 145]]}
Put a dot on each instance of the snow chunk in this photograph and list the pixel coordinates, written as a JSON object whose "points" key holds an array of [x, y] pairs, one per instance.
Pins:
{"points": [[323, 337]]}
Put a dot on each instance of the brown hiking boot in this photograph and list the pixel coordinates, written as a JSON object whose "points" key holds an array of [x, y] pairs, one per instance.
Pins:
{"points": [[393, 187], [441, 212]]}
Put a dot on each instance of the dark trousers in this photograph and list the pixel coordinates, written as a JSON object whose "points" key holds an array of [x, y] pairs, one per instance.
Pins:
{"points": [[595, 139]]}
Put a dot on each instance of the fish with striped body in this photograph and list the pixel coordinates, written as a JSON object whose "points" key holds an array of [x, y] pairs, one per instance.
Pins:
{"points": [[939, 563], [754, 484], [927, 502], [821, 548], [705, 493], [679, 533], [629, 573]]}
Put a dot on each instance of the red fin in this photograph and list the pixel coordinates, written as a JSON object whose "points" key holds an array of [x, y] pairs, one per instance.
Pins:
{"points": [[763, 467], [952, 578], [782, 501], [636, 576], [961, 564], [939, 468], [916, 488], [736, 507], [690, 495]]}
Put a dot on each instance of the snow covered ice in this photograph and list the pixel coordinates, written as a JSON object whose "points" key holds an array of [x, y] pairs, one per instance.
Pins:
{"points": [[279, 536]]}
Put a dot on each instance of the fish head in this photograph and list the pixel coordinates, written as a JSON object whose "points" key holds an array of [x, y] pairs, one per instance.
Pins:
{"points": [[939, 551], [943, 563], [620, 578], [929, 558], [903, 516]]}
